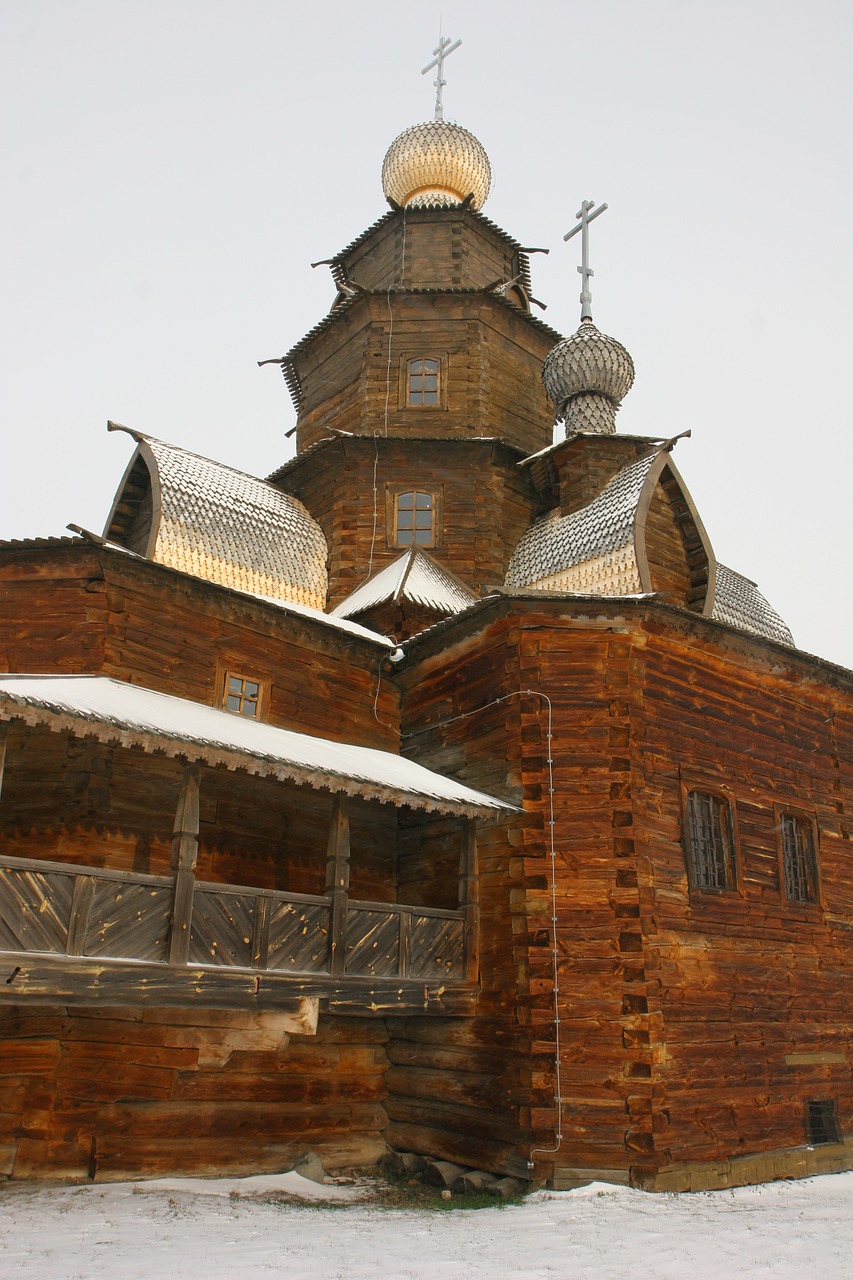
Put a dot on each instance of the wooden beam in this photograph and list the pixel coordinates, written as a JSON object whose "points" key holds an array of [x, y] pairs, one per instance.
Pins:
{"points": [[469, 901], [65, 980], [4, 734], [184, 860], [337, 883]]}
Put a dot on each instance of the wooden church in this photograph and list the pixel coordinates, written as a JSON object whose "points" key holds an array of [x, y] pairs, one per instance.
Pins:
{"points": [[441, 792]]}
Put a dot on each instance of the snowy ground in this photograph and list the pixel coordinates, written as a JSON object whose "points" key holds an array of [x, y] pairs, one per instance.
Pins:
{"points": [[200, 1230]]}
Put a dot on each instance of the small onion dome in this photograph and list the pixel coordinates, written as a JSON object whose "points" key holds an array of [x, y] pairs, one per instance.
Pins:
{"points": [[587, 375], [436, 163]]}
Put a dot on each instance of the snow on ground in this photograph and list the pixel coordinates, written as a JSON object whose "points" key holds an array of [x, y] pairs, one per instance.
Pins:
{"points": [[193, 1229]]}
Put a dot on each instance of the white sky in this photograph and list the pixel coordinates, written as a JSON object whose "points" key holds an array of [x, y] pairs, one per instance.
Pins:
{"points": [[173, 166]]}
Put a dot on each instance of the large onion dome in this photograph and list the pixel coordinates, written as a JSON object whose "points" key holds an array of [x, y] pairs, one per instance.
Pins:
{"points": [[587, 375], [436, 163]]}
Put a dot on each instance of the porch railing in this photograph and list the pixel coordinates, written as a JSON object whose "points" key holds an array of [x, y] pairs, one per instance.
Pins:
{"points": [[60, 909]]}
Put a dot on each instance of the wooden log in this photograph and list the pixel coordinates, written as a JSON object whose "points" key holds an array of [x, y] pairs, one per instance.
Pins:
{"points": [[184, 859], [337, 883]]}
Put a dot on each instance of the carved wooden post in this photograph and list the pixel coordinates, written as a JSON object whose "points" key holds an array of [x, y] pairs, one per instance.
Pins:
{"points": [[469, 901], [337, 883], [184, 858]]}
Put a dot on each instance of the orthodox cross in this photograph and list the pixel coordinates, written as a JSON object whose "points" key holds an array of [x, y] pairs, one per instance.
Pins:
{"points": [[585, 270], [444, 50]]}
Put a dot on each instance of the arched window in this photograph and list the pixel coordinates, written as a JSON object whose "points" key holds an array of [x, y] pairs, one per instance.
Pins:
{"points": [[414, 519], [422, 382]]}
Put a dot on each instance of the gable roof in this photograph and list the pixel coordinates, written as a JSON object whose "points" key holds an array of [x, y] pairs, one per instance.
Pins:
{"points": [[414, 577], [217, 523]]}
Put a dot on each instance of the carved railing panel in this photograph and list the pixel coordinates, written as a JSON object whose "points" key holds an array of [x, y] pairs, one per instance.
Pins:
{"points": [[223, 925], [299, 937], [129, 921], [437, 947], [373, 941], [35, 908]]}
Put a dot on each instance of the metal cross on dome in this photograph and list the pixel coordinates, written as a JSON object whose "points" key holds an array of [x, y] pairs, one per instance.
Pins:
{"points": [[585, 270], [444, 50]]}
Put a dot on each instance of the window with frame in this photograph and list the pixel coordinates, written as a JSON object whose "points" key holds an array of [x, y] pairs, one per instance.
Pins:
{"points": [[799, 859], [242, 696], [423, 382], [414, 519], [710, 841]]}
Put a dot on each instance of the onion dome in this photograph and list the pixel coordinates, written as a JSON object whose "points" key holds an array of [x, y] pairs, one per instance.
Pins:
{"points": [[436, 163], [587, 376]]}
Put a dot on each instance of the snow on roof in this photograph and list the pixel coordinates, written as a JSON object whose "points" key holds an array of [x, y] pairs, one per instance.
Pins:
{"points": [[112, 710], [415, 577], [739, 603], [215, 522]]}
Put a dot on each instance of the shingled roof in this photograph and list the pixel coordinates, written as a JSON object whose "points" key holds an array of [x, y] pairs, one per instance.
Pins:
{"points": [[214, 522], [588, 550], [739, 603], [414, 577]]}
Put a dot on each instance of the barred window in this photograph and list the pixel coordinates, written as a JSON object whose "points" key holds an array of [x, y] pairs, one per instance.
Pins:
{"points": [[799, 863], [822, 1122], [423, 382], [710, 844]]}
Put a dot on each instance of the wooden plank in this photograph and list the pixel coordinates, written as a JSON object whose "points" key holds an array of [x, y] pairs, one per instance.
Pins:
{"points": [[337, 882]]}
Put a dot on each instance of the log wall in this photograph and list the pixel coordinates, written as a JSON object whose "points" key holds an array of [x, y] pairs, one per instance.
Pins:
{"points": [[122, 1093], [485, 505], [457, 1088], [78, 609]]}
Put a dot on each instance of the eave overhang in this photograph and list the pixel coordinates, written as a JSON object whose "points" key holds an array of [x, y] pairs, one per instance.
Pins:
{"points": [[125, 715]]}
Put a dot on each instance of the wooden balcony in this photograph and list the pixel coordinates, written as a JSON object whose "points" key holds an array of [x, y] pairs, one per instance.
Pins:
{"points": [[79, 935]]}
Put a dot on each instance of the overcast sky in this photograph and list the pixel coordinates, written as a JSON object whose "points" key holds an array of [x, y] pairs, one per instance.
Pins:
{"points": [[173, 167]]}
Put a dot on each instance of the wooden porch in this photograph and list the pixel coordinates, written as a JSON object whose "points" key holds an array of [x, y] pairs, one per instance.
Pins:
{"points": [[82, 935], [81, 926]]}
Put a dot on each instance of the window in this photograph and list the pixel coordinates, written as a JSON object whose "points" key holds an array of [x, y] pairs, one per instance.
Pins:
{"points": [[821, 1122], [414, 519], [422, 382], [710, 842], [799, 864], [242, 696]]}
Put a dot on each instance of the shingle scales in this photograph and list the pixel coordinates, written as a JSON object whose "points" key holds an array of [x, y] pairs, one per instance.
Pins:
{"points": [[591, 549], [225, 526], [739, 603]]}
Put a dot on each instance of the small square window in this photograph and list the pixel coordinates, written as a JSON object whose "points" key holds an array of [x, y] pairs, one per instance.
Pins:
{"points": [[799, 860], [242, 696], [710, 841]]}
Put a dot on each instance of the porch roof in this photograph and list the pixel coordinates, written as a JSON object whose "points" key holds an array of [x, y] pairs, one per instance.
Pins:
{"points": [[115, 712]]}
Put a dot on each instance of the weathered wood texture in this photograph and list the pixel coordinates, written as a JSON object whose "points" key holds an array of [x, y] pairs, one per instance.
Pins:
{"points": [[87, 609], [122, 1093], [678, 1007], [352, 371], [484, 504], [461, 1091], [432, 249]]}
